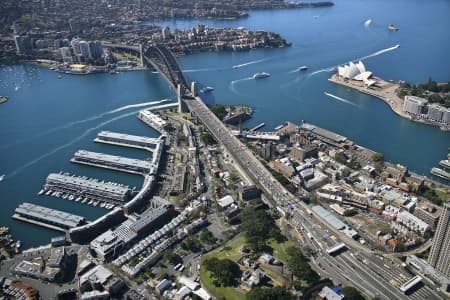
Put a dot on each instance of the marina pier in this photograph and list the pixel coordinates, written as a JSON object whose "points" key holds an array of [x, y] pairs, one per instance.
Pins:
{"points": [[47, 217], [127, 140], [107, 161], [86, 190]]}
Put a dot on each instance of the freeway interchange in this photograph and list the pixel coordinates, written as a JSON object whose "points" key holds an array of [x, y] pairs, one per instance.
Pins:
{"points": [[376, 275]]}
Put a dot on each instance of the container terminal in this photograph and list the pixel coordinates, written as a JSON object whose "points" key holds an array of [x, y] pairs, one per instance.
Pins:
{"points": [[128, 140], [119, 163], [86, 190], [47, 217]]}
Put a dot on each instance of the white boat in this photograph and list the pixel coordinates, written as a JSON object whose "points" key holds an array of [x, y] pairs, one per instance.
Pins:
{"points": [[368, 22], [95, 203], [48, 192], [302, 68], [54, 194], [392, 27], [260, 75], [102, 204], [84, 200], [207, 89], [2, 177], [41, 192], [90, 202]]}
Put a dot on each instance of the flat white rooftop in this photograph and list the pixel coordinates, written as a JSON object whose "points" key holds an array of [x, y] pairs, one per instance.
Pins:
{"points": [[87, 183], [127, 137], [49, 215], [112, 159]]}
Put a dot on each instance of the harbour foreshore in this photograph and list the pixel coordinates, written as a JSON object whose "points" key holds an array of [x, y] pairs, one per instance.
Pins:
{"points": [[386, 91], [383, 90]]}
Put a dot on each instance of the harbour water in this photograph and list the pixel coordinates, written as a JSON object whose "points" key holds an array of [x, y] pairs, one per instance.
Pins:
{"points": [[47, 119]]}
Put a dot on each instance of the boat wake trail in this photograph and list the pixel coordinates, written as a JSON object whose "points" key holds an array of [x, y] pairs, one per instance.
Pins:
{"points": [[133, 106], [379, 52], [202, 70], [234, 82], [361, 58], [322, 70], [71, 124], [341, 99], [78, 138], [250, 63]]}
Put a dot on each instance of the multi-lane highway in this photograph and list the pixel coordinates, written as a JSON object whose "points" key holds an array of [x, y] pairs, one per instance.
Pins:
{"points": [[368, 271], [358, 265]]}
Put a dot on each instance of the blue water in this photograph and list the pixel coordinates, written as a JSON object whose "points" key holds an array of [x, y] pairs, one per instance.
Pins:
{"points": [[47, 119]]}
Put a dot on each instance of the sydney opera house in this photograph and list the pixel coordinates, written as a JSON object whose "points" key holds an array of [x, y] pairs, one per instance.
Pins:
{"points": [[356, 72]]}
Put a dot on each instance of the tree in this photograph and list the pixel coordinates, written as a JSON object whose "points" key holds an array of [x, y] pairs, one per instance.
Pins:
{"points": [[207, 138], [258, 227], [430, 194], [377, 156], [275, 293], [351, 293], [207, 237], [169, 127], [298, 264], [219, 110], [172, 257], [191, 244], [223, 271]]}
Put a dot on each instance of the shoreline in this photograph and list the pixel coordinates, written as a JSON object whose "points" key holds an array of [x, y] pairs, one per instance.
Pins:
{"points": [[386, 91]]}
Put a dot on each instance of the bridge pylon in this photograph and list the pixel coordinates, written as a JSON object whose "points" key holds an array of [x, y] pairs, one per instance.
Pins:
{"points": [[181, 106], [194, 89]]}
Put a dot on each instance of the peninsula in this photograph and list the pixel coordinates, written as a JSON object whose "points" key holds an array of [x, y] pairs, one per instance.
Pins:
{"points": [[413, 108]]}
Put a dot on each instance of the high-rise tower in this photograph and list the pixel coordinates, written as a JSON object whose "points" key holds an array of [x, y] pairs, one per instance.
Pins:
{"points": [[440, 250]]}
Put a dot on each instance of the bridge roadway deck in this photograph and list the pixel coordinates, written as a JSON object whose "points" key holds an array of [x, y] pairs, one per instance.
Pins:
{"points": [[278, 195]]}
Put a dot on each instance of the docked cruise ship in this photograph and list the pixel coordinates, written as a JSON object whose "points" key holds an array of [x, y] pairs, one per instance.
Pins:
{"points": [[445, 163], [440, 173], [260, 75]]}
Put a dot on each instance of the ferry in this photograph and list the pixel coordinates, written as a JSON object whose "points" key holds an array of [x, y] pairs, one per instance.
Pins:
{"points": [[391, 27], [440, 173], [302, 68], [207, 89], [445, 163], [260, 75]]}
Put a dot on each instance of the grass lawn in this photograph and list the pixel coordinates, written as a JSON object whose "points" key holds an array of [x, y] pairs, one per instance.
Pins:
{"points": [[443, 194], [228, 293], [279, 249], [230, 251]]}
